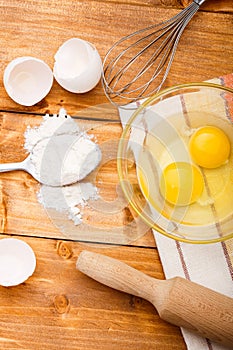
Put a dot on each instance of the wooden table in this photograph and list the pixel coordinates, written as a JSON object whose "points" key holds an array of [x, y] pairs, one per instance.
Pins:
{"points": [[58, 307]]}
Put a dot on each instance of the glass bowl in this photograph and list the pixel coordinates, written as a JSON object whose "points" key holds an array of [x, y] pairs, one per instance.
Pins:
{"points": [[158, 134]]}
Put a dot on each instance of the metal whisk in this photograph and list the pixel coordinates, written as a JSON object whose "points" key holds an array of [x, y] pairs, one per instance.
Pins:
{"points": [[137, 65]]}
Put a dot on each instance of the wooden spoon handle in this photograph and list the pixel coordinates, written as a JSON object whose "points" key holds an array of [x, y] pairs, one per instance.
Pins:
{"points": [[177, 300]]}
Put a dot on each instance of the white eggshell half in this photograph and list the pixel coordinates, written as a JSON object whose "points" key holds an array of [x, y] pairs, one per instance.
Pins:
{"points": [[17, 261], [27, 80], [78, 66]]}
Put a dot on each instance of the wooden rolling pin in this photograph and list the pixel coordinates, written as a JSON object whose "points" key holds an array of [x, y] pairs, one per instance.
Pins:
{"points": [[178, 301]]}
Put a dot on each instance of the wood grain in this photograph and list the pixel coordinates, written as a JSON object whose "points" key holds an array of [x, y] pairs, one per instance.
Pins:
{"points": [[177, 300], [109, 219], [39, 27], [60, 308], [209, 5]]}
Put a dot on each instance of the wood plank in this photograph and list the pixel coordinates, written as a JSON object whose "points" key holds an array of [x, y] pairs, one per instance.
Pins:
{"points": [[60, 308], [38, 28], [213, 5], [108, 219]]}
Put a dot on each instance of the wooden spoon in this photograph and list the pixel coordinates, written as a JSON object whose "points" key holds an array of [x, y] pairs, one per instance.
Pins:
{"points": [[178, 301]]}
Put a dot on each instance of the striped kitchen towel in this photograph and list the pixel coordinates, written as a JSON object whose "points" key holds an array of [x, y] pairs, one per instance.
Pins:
{"points": [[210, 265]]}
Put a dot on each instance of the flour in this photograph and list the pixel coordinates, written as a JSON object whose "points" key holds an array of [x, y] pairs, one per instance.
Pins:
{"points": [[60, 124], [69, 199], [62, 155], [64, 159]]}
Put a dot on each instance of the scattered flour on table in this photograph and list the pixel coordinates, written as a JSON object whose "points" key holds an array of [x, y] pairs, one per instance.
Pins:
{"points": [[56, 135], [69, 199]]}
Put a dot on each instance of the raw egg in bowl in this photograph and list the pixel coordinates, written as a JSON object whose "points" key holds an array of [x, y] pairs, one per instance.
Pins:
{"points": [[175, 162]]}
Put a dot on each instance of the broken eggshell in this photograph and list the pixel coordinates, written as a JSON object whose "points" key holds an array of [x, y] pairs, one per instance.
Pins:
{"points": [[17, 261], [78, 66], [27, 80]]}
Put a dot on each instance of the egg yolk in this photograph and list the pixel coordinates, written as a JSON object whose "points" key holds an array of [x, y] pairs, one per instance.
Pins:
{"points": [[209, 147], [143, 183], [181, 183]]}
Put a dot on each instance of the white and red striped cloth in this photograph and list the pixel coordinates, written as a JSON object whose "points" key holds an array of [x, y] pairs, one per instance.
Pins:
{"points": [[210, 265]]}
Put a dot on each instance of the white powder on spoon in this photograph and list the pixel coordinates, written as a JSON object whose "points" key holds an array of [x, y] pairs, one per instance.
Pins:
{"points": [[63, 155], [58, 124], [64, 159]]}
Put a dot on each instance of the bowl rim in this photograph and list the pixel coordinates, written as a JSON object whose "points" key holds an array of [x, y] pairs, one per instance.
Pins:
{"points": [[137, 111]]}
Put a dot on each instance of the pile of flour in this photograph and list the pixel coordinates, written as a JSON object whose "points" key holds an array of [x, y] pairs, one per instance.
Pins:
{"points": [[62, 155]]}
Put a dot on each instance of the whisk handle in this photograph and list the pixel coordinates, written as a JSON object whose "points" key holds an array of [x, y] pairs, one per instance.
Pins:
{"points": [[199, 2]]}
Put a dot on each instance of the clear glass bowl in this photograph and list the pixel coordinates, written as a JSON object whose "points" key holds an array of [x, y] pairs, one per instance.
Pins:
{"points": [[158, 134]]}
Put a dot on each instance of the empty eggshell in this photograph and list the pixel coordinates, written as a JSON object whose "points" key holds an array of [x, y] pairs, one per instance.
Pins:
{"points": [[17, 261], [78, 66], [27, 80]]}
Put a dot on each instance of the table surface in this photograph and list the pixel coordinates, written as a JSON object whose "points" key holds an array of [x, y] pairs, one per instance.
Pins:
{"points": [[58, 307]]}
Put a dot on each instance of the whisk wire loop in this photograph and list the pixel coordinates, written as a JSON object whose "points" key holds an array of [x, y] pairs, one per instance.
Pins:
{"points": [[131, 73]]}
